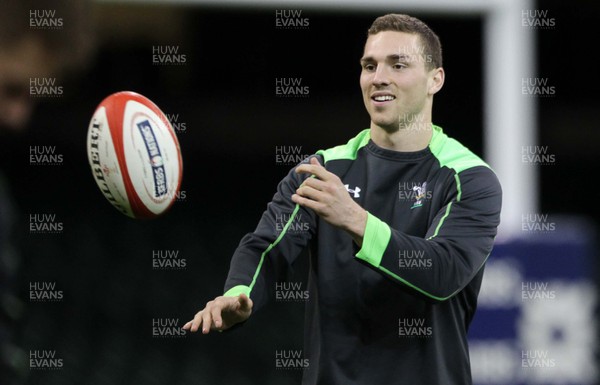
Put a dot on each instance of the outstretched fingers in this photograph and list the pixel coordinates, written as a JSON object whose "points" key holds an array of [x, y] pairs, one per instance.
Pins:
{"points": [[195, 323]]}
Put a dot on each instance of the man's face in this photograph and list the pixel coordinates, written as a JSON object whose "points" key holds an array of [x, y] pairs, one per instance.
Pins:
{"points": [[397, 87]]}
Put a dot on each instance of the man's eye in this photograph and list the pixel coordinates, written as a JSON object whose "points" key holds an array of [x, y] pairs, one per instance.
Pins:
{"points": [[399, 66], [369, 67]]}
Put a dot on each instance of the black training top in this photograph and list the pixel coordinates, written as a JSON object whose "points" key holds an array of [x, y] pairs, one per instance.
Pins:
{"points": [[396, 310]]}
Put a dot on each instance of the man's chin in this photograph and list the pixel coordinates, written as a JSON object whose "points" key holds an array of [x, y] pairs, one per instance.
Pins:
{"points": [[389, 126]]}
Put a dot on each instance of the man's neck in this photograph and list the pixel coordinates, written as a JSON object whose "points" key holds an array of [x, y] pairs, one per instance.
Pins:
{"points": [[413, 137]]}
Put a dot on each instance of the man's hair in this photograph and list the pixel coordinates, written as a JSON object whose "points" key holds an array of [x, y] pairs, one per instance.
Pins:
{"points": [[432, 48]]}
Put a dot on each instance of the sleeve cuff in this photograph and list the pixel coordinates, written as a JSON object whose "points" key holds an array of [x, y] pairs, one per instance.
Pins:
{"points": [[237, 290], [375, 241]]}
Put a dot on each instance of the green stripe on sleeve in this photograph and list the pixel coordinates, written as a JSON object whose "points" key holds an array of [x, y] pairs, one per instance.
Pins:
{"points": [[427, 294], [248, 289], [449, 206], [375, 241], [458, 187], [416, 288], [439, 226]]}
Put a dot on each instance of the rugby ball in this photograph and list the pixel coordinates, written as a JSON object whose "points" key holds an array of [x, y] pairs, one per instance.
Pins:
{"points": [[134, 155]]}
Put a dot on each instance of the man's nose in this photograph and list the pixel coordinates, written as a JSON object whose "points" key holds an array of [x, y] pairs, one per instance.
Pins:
{"points": [[381, 76]]}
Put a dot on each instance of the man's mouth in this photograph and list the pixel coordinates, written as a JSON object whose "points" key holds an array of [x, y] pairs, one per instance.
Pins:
{"points": [[382, 97]]}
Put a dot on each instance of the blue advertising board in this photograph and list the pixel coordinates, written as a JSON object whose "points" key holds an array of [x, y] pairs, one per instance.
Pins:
{"points": [[536, 321]]}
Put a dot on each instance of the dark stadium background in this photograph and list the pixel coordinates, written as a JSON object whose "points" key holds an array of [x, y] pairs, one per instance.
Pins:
{"points": [[225, 95]]}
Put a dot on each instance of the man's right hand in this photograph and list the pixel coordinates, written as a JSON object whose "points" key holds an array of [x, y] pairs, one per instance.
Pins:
{"points": [[221, 314]]}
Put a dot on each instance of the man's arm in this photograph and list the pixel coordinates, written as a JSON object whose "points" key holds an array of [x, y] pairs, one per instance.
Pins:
{"points": [[454, 249], [262, 257]]}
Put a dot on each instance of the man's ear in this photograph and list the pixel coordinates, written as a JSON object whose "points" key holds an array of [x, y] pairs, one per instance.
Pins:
{"points": [[436, 80]]}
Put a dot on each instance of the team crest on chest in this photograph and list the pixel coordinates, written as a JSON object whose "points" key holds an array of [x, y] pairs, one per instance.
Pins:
{"points": [[420, 194], [414, 193]]}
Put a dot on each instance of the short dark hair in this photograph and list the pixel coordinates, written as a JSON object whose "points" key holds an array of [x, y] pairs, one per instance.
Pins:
{"points": [[432, 47]]}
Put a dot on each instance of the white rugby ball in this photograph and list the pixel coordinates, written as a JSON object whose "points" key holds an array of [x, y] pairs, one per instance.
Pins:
{"points": [[134, 155]]}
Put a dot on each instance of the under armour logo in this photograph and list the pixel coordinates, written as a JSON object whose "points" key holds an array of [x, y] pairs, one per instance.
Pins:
{"points": [[355, 191]]}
